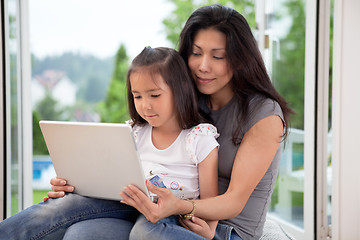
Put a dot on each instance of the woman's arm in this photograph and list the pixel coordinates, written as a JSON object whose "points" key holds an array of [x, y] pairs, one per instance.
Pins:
{"points": [[252, 160]]}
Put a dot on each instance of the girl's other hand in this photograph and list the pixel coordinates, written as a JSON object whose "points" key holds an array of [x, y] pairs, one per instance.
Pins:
{"points": [[153, 212], [59, 188]]}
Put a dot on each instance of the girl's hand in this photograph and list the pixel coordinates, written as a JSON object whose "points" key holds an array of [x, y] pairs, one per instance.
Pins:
{"points": [[165, 206], [59, 187], [199, 226]]}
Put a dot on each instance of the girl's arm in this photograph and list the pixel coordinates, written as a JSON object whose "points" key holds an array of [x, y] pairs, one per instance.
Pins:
{"points": [[208, 184], [252, 160], [59, 187]]}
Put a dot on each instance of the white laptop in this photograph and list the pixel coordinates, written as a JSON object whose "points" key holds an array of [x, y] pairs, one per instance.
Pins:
{"points": [[99, 159]]}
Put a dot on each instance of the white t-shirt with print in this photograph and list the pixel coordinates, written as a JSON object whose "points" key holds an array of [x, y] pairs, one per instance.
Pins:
{"points": [[177, 164]]}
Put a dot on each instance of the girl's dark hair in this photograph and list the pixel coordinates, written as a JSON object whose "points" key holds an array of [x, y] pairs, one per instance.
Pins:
{"points": [[250, 76], [171, 67]]}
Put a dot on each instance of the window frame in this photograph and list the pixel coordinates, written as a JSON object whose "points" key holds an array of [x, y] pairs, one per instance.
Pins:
{"points": [[24, 114]]}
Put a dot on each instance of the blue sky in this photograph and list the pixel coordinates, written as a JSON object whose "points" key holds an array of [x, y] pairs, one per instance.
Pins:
{"points": [[96, 26]]}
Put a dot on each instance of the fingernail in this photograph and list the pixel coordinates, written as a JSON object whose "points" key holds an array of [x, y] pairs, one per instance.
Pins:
{"points": [[63, 182]]}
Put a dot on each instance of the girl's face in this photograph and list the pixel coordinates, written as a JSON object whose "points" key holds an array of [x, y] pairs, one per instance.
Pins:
{"points": [[209, 65], [153, 99]]}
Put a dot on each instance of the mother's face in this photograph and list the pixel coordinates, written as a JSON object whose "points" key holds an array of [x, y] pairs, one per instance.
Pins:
{"points": [[208, 63]]}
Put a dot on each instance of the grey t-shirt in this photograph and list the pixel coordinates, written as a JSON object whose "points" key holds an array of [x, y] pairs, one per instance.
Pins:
{"points": [[250, 222]]}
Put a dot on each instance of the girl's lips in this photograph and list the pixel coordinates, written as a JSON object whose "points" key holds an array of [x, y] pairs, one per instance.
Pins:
{"points": [[150, 116]]}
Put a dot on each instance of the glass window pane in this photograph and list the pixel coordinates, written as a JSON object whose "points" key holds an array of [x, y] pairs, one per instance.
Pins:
{"points": [[285, 51], [14, 203], [79, 63]]}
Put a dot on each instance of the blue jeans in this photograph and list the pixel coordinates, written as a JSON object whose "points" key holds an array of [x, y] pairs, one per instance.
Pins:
{"points": [[226, 232], [169, 228], [52, 219]]}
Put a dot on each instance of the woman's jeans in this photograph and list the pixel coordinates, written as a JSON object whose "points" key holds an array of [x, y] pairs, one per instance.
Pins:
{"points": [[52, 219], [169, 228]]}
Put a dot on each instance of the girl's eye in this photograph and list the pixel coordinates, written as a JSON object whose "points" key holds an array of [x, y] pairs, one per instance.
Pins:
{"points": [[155, 95], [137, 97], [195, 53]]}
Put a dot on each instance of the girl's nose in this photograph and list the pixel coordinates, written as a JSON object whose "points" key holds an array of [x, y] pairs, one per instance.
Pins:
{"points": [[146, 104]]}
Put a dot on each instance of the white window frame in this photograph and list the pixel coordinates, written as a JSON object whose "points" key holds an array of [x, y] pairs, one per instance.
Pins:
{"points": [[2, 126], [346, 115], [322, 113], [24, 112]]}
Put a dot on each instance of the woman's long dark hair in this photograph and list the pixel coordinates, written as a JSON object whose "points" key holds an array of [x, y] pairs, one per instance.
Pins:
{"points": [[250, 76], [171, 67]]}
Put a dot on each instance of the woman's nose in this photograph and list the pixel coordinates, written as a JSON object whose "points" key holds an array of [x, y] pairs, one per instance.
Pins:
{"points": [[204, 64]]}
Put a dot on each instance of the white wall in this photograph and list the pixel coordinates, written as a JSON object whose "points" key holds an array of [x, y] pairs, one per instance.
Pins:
{"points": [[346, 121]]}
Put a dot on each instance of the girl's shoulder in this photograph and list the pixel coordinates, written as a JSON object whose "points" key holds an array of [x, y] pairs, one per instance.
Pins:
{"points": [[137, 130], [205, 129], [202, 136]]}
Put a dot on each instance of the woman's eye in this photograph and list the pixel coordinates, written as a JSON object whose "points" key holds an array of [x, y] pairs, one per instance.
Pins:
{"points": [[195, 53], [155, 95], [218, 57], [137, 97]]}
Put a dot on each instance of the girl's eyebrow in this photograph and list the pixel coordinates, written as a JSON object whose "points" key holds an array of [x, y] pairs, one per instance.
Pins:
{"points": [[214, 49]]}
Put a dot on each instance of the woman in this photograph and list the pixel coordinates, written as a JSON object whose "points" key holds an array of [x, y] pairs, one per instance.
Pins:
{"points": [[236, 94]]}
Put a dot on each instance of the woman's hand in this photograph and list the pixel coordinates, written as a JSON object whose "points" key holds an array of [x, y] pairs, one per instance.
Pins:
{"points": [[165, 206], [199, 226], [59, 187]]}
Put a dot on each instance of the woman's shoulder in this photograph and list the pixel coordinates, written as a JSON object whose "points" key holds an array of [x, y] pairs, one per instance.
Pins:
{"points": [[264, 106], [261, 107]]}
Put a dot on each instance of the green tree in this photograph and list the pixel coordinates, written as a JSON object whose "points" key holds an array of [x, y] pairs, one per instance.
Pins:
{"points": [[183, 9], [114, 108], [39, 146], [47, 109], [94, 91], [288, 71]]}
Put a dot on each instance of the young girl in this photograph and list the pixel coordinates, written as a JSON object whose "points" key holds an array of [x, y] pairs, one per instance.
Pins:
{"points": [[172, 144], [178, 151]]}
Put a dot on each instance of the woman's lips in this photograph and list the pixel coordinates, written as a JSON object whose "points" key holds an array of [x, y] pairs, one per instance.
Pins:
{"points": [[204, 80]]}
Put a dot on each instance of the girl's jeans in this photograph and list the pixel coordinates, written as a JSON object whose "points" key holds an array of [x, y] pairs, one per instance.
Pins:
{"points": [[51, 219], [169, 228]]}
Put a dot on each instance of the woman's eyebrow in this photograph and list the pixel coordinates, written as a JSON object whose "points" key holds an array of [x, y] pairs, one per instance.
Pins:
{"points": [[214, 49]]}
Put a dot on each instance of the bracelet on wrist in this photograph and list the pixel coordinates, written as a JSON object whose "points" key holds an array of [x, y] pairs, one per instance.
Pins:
{"points": [[192, 213]]}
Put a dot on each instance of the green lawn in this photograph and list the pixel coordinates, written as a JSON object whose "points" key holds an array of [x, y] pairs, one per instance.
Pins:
{"points": [[37, 198], [38, 195]]}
